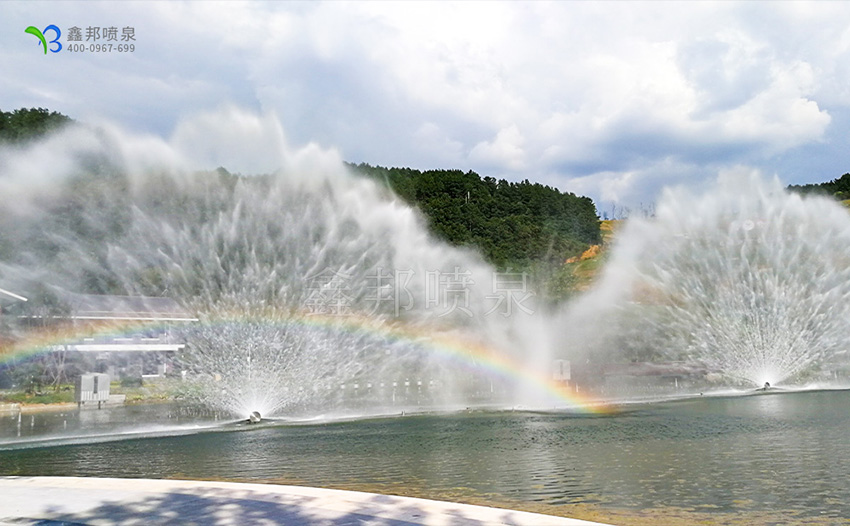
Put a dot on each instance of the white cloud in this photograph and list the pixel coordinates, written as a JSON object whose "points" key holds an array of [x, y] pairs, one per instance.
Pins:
{"points": [[437, 144], [505, 151], [604, 98], [642, 185], [781, 116]]}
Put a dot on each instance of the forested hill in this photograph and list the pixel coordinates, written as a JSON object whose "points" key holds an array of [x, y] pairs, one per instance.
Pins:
{"points": [[513, 224], [838, 188], [24, 124]]}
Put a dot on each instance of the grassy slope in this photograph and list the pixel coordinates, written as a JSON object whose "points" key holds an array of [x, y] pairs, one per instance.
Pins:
{"points": [[587, 267]]}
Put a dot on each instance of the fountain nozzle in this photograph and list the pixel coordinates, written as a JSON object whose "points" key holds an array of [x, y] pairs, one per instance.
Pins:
{"points": [[254, 417]]}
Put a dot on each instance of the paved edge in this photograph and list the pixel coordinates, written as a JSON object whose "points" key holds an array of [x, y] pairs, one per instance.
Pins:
{"points": [[86, 500]]}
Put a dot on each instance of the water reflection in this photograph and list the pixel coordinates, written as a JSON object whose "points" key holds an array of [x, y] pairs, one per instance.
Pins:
{"points": [[767, 452]]}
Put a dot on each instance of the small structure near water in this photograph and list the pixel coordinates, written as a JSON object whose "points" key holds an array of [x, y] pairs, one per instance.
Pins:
{"points": [[90, 388]]}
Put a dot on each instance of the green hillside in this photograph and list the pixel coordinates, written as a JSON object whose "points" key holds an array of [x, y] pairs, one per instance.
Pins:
{"points": [[839, 188], [514, 225], [24, 124]]}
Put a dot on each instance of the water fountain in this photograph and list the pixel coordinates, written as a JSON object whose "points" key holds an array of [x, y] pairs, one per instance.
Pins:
{"points": [[746, 281], [308, 281], [312, 291], [318, 292]]}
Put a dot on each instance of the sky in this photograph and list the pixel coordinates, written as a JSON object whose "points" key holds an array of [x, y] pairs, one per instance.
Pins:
{"points": [[607, 99]]}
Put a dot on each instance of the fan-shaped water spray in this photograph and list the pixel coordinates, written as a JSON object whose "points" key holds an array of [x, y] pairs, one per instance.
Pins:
{"points": [[747, 281], [259, 259]]}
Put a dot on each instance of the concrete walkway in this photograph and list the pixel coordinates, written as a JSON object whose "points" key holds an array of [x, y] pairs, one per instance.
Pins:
{"points": [[57, 501]]}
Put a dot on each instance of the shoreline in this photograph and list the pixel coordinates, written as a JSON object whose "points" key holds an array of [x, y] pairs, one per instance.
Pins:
{"points": [[58, 407], [77, 499], [594, 512], [83, 499], [26, 409]]}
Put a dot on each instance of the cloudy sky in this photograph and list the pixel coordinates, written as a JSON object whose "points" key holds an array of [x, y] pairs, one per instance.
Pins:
{"points": [[606, 99]]}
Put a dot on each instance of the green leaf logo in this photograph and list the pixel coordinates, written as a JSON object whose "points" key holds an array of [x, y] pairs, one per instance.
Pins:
{"points": [[32, 30]]}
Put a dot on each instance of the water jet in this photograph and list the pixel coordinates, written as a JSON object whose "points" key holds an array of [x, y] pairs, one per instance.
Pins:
{"points": [[308, 282], [747, 282]]}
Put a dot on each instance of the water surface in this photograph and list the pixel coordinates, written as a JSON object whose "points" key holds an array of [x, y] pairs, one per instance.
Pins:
{"points": [[782, 452]]}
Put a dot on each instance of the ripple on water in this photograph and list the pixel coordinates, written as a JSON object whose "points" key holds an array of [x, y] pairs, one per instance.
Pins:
{"points": [[721, 455]]}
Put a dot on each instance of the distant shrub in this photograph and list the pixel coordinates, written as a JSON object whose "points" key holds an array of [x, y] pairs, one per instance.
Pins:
{"points": [[131, 381], [50, 397]]}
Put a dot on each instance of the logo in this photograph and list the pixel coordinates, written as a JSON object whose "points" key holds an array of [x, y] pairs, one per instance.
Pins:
{"points": [[95, 39], [32, 30]]}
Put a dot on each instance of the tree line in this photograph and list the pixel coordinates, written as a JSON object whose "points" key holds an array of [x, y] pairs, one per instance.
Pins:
{"points": [[839, 188], [24, 124], [513, 224]]}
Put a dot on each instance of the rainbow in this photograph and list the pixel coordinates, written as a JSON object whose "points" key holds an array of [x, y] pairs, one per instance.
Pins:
{"points": [[452, 349], [45, 340], [462, 352]]}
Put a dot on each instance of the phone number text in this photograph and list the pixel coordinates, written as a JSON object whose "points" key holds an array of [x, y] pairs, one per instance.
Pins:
{"points": [[100, 48]]}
